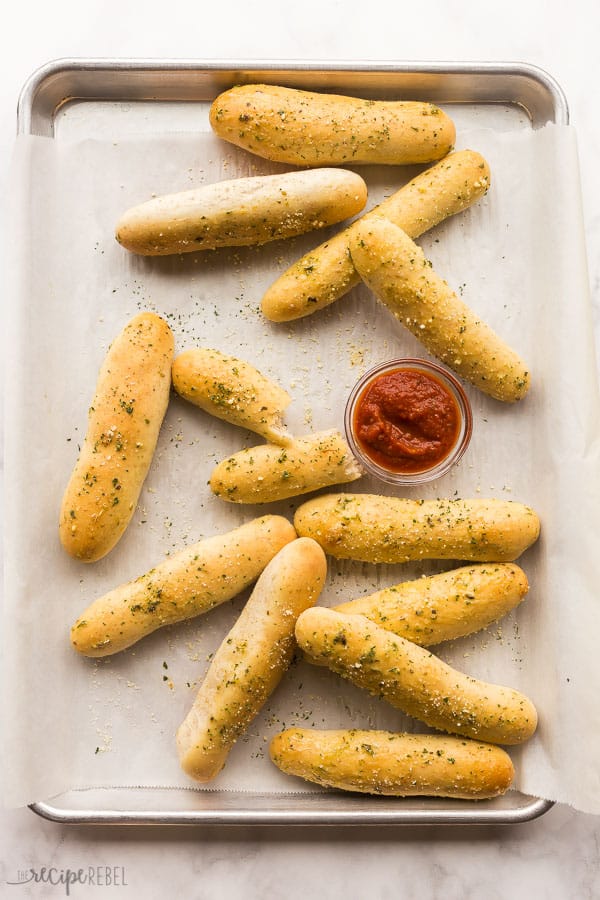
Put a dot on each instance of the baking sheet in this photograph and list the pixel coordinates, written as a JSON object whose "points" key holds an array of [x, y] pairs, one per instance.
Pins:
{"points": [[518, 258]]}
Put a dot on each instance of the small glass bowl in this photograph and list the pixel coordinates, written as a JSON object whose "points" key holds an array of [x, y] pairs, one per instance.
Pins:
{"points": [[454, 388]]}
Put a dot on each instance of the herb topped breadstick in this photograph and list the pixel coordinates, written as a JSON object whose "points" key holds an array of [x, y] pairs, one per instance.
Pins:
{"points": [[396, 270], [413, 679], [232, 390], [378, 529], [252, 659], [241, 212], [267, 473], [187, 584], [443, 607], [124, 421], [306, 128], [394, 765]]}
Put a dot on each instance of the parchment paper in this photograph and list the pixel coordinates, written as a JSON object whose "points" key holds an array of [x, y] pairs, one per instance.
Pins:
{"points": [[517, 257]]}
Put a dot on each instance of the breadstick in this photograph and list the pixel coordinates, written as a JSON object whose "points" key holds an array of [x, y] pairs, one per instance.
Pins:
{"points": [[252, 659], [124, 420], [394, 765], [305, 128], [443, 607], [327, 273], [242, 212], [232, 390], [266, 473], [185, 585], [412, 679], [396, 270], [378, 529]]}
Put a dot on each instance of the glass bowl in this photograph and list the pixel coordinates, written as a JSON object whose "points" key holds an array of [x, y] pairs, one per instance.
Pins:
{"points": [[397, 442]]}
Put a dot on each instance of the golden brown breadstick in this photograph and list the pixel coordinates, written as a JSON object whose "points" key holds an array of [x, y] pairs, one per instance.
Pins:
{"points": [[445, 606], [252, 659], [266, 473], [241, 212], [185, 585], [327, 273], [305, 128], [233, 390], [124, 420], [412, 679], [373, 528], [394, 765], [396, 270]]}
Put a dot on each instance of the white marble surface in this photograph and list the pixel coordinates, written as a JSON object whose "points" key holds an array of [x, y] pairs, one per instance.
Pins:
{"points": [[554, 857]]}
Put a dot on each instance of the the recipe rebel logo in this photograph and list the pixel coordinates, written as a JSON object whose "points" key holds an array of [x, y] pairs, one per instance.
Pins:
{"points": [[89, 876]]}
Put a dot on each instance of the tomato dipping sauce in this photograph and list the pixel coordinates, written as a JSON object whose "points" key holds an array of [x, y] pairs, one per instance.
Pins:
{"points": [[408, 418]]}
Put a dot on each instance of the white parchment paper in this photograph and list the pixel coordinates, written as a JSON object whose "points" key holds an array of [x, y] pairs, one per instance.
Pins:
{"points": [[518, 258]]}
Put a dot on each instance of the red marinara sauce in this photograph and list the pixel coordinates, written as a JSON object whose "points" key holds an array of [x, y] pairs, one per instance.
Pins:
{"points": [[406, 420]]}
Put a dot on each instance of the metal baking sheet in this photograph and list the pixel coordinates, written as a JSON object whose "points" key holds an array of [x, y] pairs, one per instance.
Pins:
{"points": [[66, 98]]}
